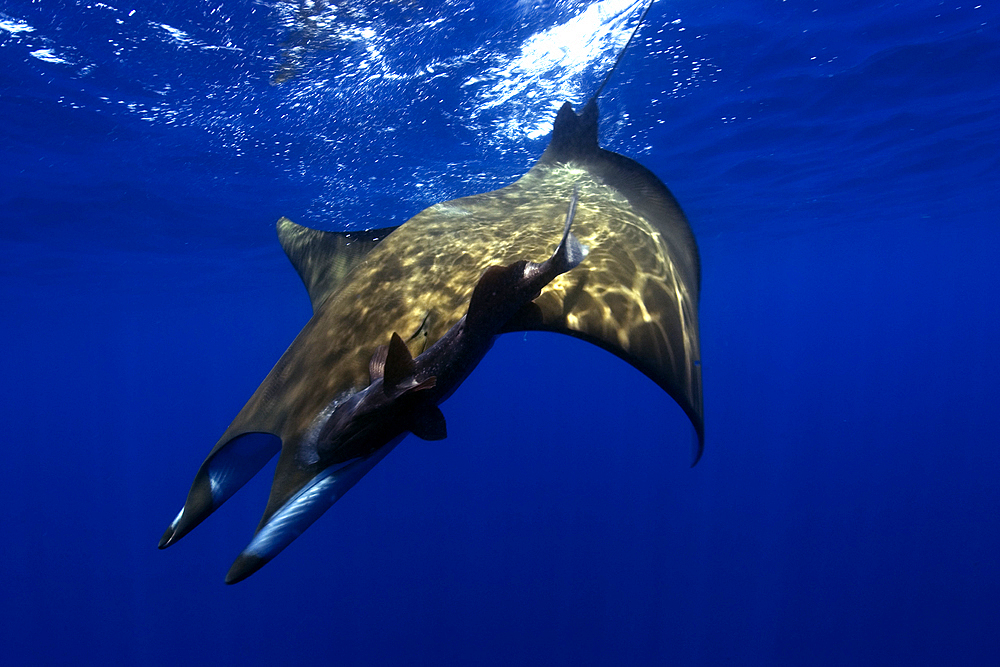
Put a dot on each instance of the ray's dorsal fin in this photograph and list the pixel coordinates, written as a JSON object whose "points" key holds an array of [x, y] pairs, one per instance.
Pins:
{"points": [[574, 137], [322, 259]]}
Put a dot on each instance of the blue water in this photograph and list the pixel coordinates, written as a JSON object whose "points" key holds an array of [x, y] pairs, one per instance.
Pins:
{"points": [[839, 165]]}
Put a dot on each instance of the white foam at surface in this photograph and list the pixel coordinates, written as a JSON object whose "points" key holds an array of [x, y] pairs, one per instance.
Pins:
{"points": [[13, 26], [49, 56], [550, 63]]}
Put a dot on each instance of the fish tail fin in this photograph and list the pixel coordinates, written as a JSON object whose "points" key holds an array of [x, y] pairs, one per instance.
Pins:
{"points": [[570, 252]]}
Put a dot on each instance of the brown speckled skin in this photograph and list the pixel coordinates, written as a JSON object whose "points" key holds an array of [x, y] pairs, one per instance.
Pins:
{"points": [[636, 294]]}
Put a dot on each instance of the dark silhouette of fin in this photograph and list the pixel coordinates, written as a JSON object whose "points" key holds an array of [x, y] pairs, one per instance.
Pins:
{"points": [[398, 363], [429, 424]]}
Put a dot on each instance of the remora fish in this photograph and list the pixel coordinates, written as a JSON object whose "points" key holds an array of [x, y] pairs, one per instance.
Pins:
{"points": [[403, 396]]}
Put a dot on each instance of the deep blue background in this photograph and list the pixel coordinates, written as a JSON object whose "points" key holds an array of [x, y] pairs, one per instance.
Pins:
{"points": [[839, 164]]}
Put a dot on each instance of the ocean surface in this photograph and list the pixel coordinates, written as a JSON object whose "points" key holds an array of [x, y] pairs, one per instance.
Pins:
{"points": [[839, 162]]}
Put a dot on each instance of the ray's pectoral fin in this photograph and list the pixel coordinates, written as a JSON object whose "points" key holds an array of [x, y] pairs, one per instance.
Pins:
{"points": [[322, 259], [223, 473], [638, 295]]}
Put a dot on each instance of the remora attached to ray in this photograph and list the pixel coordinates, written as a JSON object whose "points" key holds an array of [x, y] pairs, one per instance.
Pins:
{"points": [[636, 296]]}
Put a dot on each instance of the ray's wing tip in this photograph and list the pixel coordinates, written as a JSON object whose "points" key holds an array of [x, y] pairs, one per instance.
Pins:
{"points": [[167, 539], [697, 444], [175, 531], [244, 565]]}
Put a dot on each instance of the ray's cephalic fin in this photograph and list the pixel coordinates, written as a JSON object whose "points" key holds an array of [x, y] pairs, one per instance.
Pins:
{"points": [[322, 260]]}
